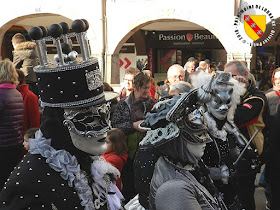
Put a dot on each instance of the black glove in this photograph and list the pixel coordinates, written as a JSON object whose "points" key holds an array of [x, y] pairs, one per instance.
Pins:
{"points": [[250, 154]]}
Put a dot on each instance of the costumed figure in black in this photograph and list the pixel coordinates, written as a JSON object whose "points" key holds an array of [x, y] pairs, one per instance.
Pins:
{"points": [[220, 95], [218, 98], [146, 157], [180, 179], [62, 170]]}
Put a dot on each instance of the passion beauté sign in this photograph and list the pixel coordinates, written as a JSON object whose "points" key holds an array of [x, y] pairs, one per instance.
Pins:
{"points": [[183, 39]]}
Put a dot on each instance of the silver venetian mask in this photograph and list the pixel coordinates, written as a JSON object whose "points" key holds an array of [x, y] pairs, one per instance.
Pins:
{"points": [[220, 101], [217, 94], [90, 122]]}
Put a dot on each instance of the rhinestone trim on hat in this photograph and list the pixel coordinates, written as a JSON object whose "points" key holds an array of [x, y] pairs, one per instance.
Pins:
{"points": [[66, 68], [94, 100], [49, 38]]}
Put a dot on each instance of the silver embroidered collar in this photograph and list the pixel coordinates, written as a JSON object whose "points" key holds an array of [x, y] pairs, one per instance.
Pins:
{"points": [[212, 127], [69, 168]]}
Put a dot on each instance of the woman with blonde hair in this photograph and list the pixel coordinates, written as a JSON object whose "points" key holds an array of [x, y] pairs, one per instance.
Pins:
{"points": [[11, 118]]}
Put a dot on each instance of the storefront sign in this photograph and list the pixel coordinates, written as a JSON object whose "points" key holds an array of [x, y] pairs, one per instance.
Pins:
{"points": [[183, 39]]}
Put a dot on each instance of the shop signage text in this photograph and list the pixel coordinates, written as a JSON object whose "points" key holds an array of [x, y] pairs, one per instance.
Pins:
{"points": [[183, 39], [189, 37]]}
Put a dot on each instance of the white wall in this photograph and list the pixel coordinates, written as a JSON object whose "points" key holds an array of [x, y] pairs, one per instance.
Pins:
{"points": [[83, 9], [124, 17]]}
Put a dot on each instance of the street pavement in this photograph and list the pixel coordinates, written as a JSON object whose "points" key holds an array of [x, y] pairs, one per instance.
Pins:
{"points": [[260, 198], [259, 194]]}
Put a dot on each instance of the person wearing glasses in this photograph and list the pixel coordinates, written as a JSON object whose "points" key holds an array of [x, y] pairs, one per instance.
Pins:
{"points": [[127, 81], [273, 94], [175, 73]]}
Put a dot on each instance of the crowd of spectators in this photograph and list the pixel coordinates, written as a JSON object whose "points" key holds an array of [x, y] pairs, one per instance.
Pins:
{"points": [[20, 118]]}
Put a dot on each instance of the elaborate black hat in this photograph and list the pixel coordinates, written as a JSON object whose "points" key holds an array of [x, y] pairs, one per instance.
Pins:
{"points": [[159, 129], [187, 116], [68, 83], [174, 117]]}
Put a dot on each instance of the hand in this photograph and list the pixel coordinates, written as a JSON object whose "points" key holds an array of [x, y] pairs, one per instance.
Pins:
{"points": [[136, 126], [242, 79]]}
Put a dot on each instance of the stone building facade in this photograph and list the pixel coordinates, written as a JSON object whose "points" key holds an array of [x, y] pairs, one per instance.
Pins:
{"points": [[115, 24]]}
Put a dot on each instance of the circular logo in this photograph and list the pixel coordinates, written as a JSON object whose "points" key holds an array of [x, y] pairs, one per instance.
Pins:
{"points": [[250, 25]]}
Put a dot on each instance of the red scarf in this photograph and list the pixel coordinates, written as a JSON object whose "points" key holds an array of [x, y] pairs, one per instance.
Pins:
{"points": [[278, 93]]}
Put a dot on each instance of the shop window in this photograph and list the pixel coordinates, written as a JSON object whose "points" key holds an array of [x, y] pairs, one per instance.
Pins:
{"points": [[168, 57]]}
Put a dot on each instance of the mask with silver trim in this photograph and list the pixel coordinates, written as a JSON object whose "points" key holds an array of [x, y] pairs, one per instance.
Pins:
{"points": [[217, 94], [89, 122], [88, 127], [221, 101]]}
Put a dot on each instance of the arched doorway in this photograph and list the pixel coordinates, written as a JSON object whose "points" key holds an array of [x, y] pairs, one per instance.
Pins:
{"points": [[22, 25], [7, 48], [162, 43]]}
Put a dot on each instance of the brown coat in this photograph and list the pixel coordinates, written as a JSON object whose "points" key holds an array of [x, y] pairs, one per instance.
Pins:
{"points": [[25, 59]]}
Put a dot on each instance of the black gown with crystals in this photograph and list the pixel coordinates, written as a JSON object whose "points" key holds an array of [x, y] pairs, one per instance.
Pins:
{"points": [[34, 185], [216, 154]]}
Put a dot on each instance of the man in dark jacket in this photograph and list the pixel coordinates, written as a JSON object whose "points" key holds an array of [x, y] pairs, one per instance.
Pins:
{"points": [[25, 59], [273, 176], [251, 114]]}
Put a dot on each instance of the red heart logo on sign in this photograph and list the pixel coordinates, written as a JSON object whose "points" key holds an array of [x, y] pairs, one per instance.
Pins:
{"points": [[189, 37]]}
